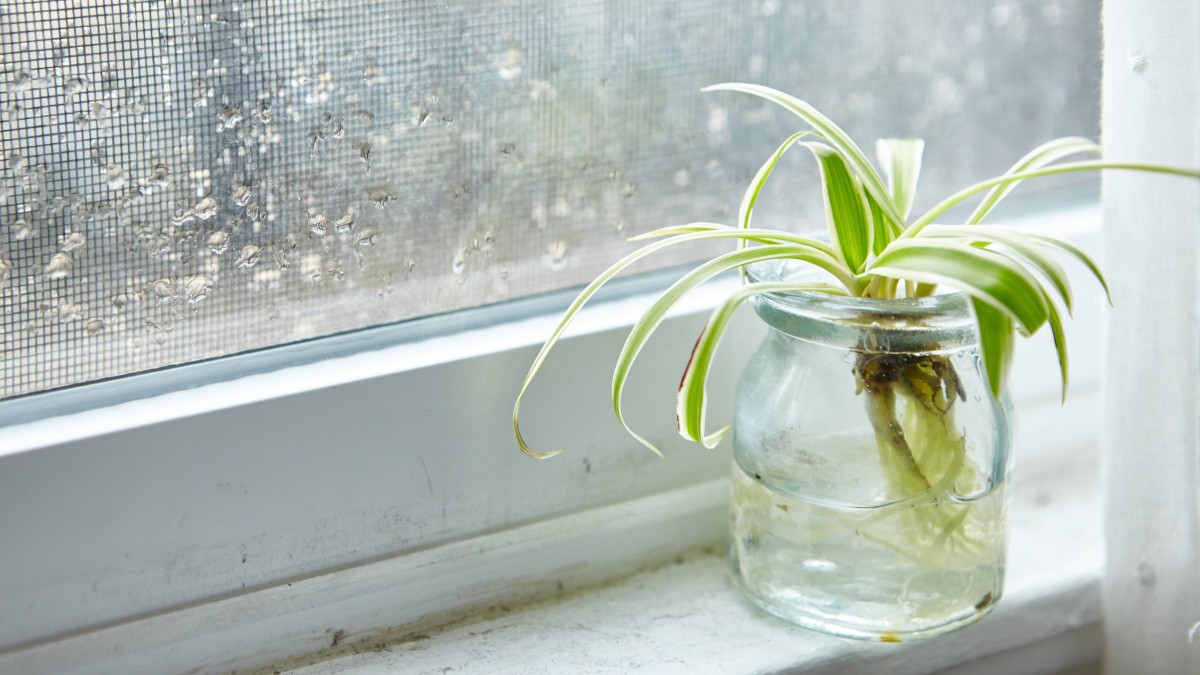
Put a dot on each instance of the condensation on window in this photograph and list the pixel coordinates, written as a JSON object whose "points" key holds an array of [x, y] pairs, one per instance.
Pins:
{"points": [[183, 180]]}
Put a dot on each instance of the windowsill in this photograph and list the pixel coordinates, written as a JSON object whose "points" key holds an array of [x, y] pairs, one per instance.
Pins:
{"points": [[687, 617]]}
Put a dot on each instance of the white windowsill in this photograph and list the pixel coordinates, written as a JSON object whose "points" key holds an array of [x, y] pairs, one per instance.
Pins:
{"points": [[686, 617], [253, 521]]}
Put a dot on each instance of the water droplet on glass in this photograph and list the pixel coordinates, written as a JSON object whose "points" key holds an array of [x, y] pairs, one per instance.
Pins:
{"points": [[248, 256], [74, 86], [163, 289], [160, 176], [364, 153], [508, 64], [72, 241], [59, 266], [241, 195], [115, 177], [316, 224], [196, 288], [380, 196], [69, 311], [6, 267], [556, 255], [229, 117], [21, 81], [120, 300], [94, 326], [206, 208], [281, 260], [135, 343], [366, 237], [21, 229], [345, 223], [339, 129], [459, 264], [17, 164], [420, 116], [218, 242]]}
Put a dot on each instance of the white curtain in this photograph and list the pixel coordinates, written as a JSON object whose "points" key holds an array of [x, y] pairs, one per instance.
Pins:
{"points": [[1151, 104]]}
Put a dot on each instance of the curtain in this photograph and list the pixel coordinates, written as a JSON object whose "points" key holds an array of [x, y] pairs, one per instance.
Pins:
{"points": [[1151, 453]]}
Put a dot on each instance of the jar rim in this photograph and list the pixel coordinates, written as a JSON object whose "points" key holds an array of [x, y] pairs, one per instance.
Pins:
{"points": [[946, 318]]}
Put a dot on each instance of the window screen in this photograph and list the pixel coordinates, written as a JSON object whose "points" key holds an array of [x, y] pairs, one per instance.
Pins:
{"points": [[184, 180]]}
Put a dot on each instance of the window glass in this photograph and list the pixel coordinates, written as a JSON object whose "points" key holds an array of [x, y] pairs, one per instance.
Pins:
{"points": [[182, 180]]}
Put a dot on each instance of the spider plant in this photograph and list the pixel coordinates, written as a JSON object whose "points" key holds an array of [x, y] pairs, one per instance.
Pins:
{"points": [[875, 249]]}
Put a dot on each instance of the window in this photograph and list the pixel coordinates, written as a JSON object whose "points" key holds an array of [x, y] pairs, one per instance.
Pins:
{"points": [[336, 167], [183, 181]]}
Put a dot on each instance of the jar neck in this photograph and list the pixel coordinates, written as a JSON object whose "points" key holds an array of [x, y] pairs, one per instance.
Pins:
{"points": [[931, 324]]}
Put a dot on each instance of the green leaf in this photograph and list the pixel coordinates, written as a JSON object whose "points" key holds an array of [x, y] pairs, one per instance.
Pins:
{"points": [[1022, 245], [979, 272], [1080, 255], [1060, 344], [996, 342], [883, 231], [760, 178], [716, 232], [845, 207], [901, 162], [758, 236], [1038, 157], [650, 320], [831, 132], [1098, 165], [691, 403]]}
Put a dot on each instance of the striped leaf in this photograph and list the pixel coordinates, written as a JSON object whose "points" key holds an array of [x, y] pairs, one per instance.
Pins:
{"points": [[953, 200], [650, 320], [996, 343], [1022, 245], [1079, 254], [717, 232], [1038, 157], [691, 403], [901, 162], [831, 132], [979, 272], [846, 209]]}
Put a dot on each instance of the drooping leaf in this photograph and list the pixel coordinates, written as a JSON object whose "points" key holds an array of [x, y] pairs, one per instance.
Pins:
{"points": [[996, 342], [953, 200], [1022, 245], [650, 320], [758, 236], [901, 162], [1060, 344], [1040, 156], [691, 403], [760, 179], [845, 207], [831, 132], [978, 272], [717, 232], [1080, 255]]}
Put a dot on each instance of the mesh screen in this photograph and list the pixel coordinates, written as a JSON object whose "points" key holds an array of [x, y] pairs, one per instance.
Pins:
{"points": [[184, 180]]}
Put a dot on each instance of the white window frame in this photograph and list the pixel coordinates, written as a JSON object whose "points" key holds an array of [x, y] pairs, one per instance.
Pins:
{"points": [[251, 520]]}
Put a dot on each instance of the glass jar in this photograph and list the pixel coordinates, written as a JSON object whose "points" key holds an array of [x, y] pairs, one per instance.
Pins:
{"points": [[869, 466]]}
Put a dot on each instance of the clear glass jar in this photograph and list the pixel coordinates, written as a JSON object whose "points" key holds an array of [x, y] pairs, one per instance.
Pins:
{"points": [[869, 466]]}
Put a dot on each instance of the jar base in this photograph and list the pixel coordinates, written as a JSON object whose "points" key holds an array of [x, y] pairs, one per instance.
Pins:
{"points": [[829, 624]]}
